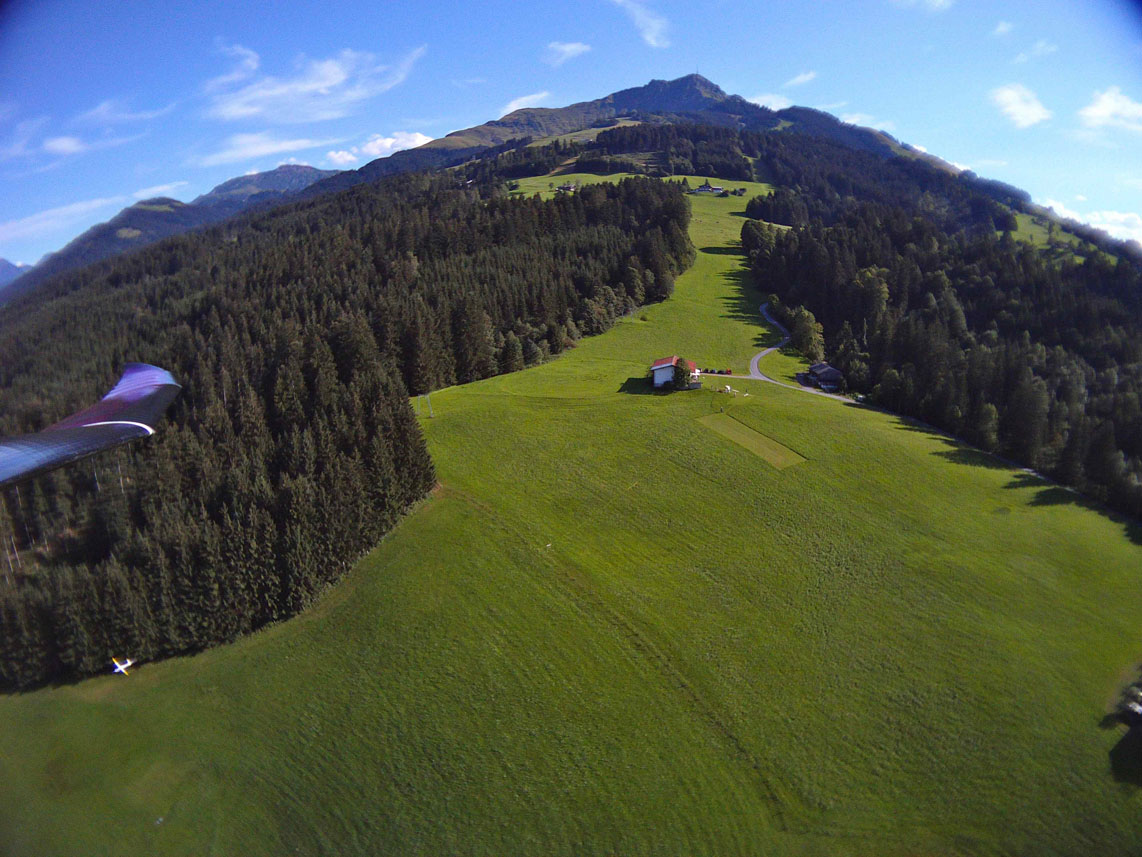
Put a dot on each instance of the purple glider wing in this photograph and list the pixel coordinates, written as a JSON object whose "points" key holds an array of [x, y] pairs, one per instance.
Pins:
{"points": [[131, 410]]}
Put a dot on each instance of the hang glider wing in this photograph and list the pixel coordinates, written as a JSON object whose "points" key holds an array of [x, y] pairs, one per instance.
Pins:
{"points": [[130, 411]]}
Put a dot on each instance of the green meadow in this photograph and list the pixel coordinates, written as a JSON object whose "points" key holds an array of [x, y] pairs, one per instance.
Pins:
{"points": [[615, 630], [763, 447]]}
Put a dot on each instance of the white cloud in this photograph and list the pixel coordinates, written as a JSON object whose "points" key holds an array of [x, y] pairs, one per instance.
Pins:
{"points": [[1061, 209], [1113, 109], [378, 146], [158, 190], [1080, 198], [320, 90], [963, 168], [1020, 105], [64, 146], [868, 120], [245, 147], [650, 25], [804, 77], [19, 145], [772, 100], [930, 5], [248, 62], [1002, 28], [1121, 224], [1041, 48], [559, 52], [833, 105], [114, 111], [55, 219], [917, 147], [76, 146], [524, 101]]}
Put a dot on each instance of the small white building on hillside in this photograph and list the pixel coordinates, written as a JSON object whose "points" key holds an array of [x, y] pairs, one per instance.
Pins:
{"points": [[663, 370]]}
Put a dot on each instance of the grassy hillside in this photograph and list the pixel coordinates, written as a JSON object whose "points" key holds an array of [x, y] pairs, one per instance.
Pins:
{"points": [[614, 629], [1034, 230]]}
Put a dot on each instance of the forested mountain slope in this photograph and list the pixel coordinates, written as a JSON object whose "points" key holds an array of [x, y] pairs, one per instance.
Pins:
{"points": [[989, 338], [297, 335], [690, 99], [151, 220]]}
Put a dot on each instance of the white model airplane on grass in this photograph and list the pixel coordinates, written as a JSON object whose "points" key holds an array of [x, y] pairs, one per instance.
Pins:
{"points": [[122, 667]]}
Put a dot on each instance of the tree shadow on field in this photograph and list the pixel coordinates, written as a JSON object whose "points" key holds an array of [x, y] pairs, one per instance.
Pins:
{"points": [[641, 386], [974, 457], [1126, 758], [1052, 494], [723, 250], [1047, 493], [743, 301]]}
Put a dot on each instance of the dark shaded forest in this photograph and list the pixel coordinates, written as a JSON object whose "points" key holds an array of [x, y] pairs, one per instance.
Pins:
{"points": [[988, 338], [298, 336]]}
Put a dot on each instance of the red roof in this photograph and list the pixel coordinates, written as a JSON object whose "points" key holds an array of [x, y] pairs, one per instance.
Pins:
{"points": [[672, 361]]}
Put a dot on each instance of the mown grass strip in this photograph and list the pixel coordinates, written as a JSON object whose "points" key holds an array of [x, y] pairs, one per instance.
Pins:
{"points": [[767, 448]]}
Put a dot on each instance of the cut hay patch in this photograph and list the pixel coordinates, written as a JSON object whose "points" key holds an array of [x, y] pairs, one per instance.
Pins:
{"points": [[765, 447]]}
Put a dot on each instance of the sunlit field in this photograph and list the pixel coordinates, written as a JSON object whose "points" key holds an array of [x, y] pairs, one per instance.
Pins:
{"points": [[615, 630]]}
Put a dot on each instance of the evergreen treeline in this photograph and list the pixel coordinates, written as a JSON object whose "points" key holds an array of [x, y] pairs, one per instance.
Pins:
{"points": [[991, 339], [298, 335], [682, 149], [817, 178]]}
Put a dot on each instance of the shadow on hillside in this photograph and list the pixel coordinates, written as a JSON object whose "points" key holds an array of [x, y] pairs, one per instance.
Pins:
{"points": [[1052, 494], [969, 455], [639, 386], [742, 304], [723, 251], [1126, 758], [1047, 493]]}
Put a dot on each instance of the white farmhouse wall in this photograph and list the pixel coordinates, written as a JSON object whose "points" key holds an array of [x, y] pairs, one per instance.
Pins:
{"points": [[663, 375]]}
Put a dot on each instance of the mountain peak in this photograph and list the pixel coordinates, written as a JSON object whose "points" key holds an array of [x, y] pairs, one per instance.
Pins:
{"points": [[695, 82], [288, 178]]}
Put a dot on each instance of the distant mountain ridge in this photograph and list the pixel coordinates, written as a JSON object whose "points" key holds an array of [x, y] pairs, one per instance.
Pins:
{"points": [[151, 220], [10, 271], [285, 180], [692, 98]]}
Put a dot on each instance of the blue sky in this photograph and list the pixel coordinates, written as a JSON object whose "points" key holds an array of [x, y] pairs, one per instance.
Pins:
{"points": [[103, 103]]}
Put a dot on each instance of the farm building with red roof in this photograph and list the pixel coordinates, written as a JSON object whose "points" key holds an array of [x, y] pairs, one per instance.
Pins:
{"points": [[663, 370]]}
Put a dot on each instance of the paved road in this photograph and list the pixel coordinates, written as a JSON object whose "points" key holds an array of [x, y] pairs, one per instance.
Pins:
{"points": [[756, 373]]}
